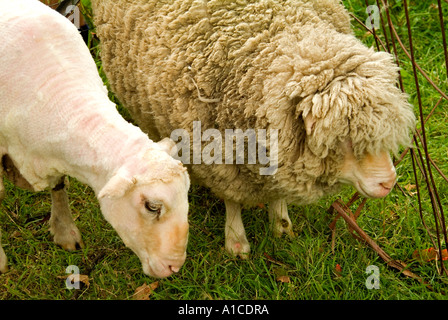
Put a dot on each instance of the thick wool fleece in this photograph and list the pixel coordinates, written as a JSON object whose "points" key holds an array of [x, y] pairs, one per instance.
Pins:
{"points": [[260, 65]]}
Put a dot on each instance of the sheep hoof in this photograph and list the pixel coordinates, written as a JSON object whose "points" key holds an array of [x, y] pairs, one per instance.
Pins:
{"points": [[3, 261], [281, 227], [3, 267], [69, 239], [238, 248]]}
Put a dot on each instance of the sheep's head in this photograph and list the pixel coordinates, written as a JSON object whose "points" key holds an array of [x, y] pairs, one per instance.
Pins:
{"points": [[362, 118], [148, 207], [373, 175], [344, 112]]}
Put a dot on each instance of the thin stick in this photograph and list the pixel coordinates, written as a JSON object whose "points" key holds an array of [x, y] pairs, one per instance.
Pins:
{"points": [[399, 265], [434, 194]]}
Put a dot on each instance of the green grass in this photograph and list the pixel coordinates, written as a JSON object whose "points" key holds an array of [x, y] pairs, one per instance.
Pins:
{"points": [[37, 265]]}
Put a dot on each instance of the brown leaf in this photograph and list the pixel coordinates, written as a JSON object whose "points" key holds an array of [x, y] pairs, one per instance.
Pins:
{"points": [[430, 254], [74, 277], [338, 270], [84, 279], [281, 274], [409, 188], [284, 279], [144, 291]]}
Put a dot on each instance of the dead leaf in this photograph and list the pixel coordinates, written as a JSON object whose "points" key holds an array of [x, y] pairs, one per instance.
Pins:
{"points": [[410, 187], [338, 270], [74, 277], [444, 254], [284, 279], [82, 278], [281, 274], [430, 254], [144, 291]]}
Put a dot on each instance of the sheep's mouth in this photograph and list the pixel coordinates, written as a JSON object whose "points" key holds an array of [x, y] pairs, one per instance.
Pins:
{"points": [[160, 271], [361, 190], [380, 193]]}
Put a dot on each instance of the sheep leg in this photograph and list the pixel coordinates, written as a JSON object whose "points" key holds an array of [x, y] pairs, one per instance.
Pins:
{"points": [[279, 218], [13, 174], [236, 241], [62, 227], [3, 259], [2, 187]]}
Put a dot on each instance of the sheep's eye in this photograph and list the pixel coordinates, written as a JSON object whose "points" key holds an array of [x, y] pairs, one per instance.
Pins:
{"points": [[153, 207]]}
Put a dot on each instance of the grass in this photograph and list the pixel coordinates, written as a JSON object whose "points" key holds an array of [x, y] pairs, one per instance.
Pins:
{"points": [[37, 266]]}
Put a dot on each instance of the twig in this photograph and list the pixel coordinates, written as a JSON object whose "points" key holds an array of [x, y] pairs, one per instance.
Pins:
{"points": [[399, 265], [90, 265], [353, 216], [270, 259]]}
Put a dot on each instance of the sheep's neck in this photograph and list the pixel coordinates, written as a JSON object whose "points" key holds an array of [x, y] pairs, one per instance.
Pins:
{"points": [[102, 143]]}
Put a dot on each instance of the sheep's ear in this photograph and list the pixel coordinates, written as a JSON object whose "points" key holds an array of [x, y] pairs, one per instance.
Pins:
{"points": [[117, 186], [168, 145], [309, 121]]}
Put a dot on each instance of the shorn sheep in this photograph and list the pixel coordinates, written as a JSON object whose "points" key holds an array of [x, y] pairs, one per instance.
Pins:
{"points": [[290, 71], [56, 120]]}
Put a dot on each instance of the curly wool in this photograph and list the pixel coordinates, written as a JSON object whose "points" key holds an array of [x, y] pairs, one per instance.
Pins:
{"points": [[255, 64]]}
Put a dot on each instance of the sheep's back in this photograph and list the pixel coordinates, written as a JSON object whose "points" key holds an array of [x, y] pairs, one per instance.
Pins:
{"points": [[167, 61], [174, 63]]}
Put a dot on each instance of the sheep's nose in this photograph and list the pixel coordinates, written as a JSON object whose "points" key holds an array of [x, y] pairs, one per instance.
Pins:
{"points": [[388, 185], [175, 269], [174, 265], [385, 188]]}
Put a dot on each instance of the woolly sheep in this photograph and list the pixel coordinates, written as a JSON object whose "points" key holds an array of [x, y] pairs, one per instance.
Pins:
{"points": [[291, 68], [56, 120]]}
